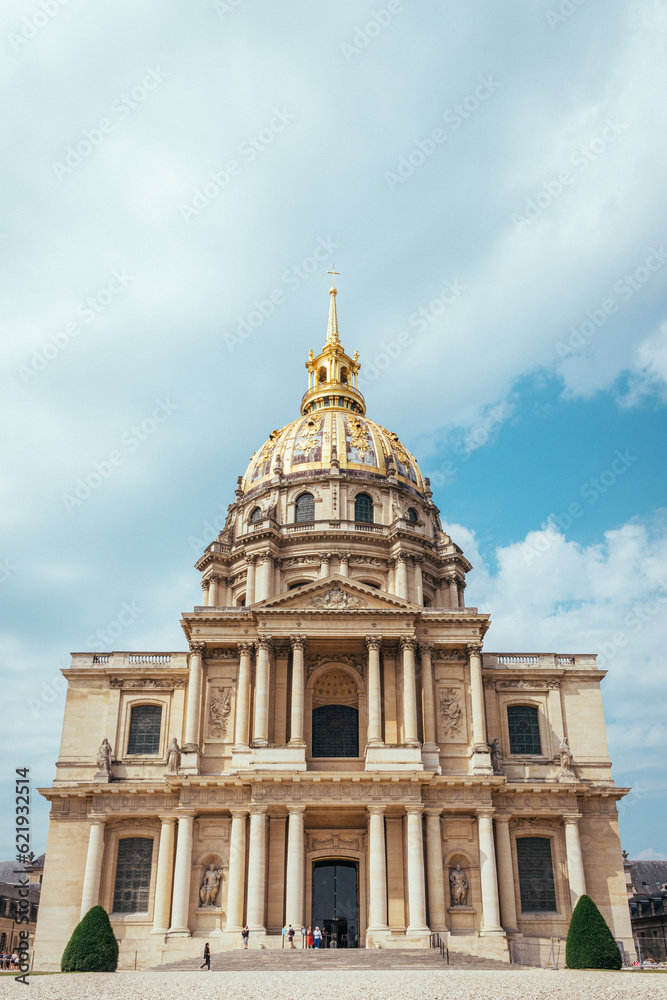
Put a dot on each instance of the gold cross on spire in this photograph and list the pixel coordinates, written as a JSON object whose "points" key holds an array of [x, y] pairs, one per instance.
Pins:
{"points": [[333, 272]]}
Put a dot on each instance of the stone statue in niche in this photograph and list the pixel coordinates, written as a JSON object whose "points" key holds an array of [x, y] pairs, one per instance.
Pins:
{"points": [[104, 755], [566, 761], [497, 757], [451, 712], [210, 886], [458, 884], [173, 756]]}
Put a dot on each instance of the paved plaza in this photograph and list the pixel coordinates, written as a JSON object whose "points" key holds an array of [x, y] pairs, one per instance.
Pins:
{"points": [[452, 984]]}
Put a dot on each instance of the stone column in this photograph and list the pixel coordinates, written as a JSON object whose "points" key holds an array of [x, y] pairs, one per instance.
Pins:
{"points": [[416, 886], [487, 872], [437, 919], [93, 871], [575, 861], [277, 577], [257, 869], [505, 875], [419, 581], [260, 729], [165, 876], [294, 886], [204, 596], [264, 582], [213, 591], [480, 746], [250, 581], [453, 591], [180, 906], [243, 696], [298, 690], [236, 885], [344, 565], [428, 699], [377, 870], [402, 576], [228, 592], [374, 643], [325, 559], [410, 739], [391, 576], [462, 594], [194, 697]]}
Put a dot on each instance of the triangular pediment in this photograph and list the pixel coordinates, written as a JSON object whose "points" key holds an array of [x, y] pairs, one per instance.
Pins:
{"points": [[337, 593]]}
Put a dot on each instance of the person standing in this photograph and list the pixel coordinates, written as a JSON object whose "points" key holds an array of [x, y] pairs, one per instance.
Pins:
{"points": [[207, 958], [290, 935], [309, 938], [245, 934], [317, 937]]}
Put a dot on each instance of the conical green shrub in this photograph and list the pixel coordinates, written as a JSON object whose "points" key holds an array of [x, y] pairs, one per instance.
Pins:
{"points": [[92, 946], [590, 943]]}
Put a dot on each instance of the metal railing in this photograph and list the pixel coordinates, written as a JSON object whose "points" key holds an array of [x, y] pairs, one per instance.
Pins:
{"points": [[539, 952], [435, 941]]}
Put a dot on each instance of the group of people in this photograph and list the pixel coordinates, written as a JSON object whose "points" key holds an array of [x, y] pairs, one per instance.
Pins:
{"points": [[313, 937], [9, 960]]}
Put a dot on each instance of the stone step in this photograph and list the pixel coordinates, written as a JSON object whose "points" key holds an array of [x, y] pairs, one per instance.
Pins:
{"points": [[308, 961]]}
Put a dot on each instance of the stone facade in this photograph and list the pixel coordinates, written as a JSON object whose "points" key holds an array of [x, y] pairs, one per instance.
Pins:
{"points": [[333, 719]]}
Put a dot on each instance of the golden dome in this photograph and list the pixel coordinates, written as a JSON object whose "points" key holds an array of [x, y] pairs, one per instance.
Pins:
{"points": [[333, 431], [328, 437]]}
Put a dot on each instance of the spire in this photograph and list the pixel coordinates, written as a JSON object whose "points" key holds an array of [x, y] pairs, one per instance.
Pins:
{"points": [[332, 326]]}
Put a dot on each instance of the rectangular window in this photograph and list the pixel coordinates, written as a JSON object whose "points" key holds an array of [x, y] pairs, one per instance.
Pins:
{"points": [[145, 722], [524, 729], [133, 875], [536, 874]]}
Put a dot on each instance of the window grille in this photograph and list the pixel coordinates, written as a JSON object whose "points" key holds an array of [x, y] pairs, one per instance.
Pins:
{"points": [[536, 874], [363, 508], [524, 729], [256, 514], [335, 731], [133, 875], [305, 508], [145, 722], [412, 515]]}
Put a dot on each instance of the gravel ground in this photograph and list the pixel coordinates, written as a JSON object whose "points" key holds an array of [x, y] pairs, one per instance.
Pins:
{"points": [[531, 984]]}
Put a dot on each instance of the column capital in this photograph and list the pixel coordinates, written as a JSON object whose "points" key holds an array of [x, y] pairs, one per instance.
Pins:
{"points": [[474, 648], [99, 818], [374, 642], [246, 647], [485, 811], [344, 559], [407, 642], [251, 559], [417, 560], [375, 809], [426, 648], [264, 557], [412, 809], [298, 642], [391, 562], [325, 557], [502, 817], [256, 810], [296, 810], [214, 578], [205, 584], [238, 812], [265, 642], [402, 557], [197, 648], [433, 811], [186, 813], [571, 818], [452, 578]]}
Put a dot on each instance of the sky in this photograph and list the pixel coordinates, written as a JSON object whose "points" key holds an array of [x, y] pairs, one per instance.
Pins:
{"points": [[488, 178]]}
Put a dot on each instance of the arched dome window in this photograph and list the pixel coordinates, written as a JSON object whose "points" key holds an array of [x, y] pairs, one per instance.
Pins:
{"points": [[412, 515], [304, 509], [322, 374], [363, 508], [256, 514], [343, 376]]}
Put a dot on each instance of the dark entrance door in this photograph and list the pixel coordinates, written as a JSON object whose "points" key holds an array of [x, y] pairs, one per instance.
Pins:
{"points": [[336, 902]]}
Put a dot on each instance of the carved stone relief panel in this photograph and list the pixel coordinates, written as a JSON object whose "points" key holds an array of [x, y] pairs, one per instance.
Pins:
{"points": [[451, 714], [219, 712]]}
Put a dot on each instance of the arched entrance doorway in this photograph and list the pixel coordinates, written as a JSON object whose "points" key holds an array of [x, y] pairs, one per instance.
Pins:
{"points": [[336, 901]]}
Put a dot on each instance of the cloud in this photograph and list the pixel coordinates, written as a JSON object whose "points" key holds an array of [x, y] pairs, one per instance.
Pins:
{"points": [[648, 375], [649, 855]]}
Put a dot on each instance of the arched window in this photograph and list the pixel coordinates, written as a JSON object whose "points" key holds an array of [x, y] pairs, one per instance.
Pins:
{"points": [[371, 583], [322, 375], [524, 729], [304, 509], [335, 731], [145, 722], [363, 508], [133, 875], [343, 376], [256, 514], [536, 874], [412, 515]]}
